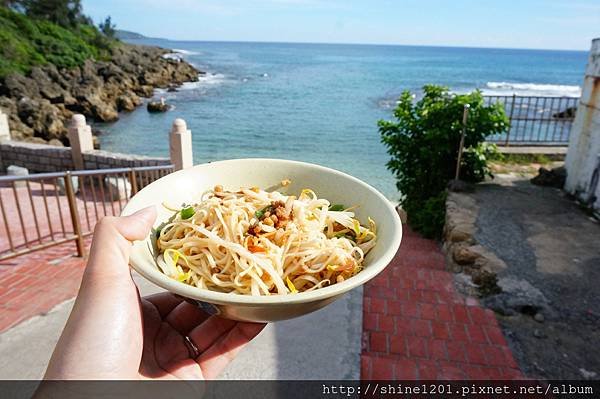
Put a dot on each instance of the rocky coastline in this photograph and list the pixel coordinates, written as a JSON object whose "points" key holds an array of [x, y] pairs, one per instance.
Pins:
{"points": [[40, 104]]}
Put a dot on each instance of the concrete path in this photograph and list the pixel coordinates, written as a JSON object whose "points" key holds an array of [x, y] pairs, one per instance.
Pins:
{"points": [[323, 345], [551, 249]]}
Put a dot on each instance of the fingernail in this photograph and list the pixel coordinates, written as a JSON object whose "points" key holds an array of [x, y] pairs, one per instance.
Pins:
{"points": [[147, 211]]}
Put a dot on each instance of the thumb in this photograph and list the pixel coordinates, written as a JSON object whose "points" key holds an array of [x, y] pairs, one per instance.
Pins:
{"points": [[137, 225], [109, 255]]}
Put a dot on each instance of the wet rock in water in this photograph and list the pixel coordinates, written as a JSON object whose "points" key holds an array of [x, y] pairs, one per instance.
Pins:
{"points": [[550, 178], [158, 106], [517, 296]]}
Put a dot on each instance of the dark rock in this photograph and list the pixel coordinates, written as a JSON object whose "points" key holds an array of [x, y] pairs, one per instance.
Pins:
{"points": [[144, 90], [42, 117], [157, 106], [566, 114], [41, 104], [538, 317], [128, 102], [517, 296], [550, 178], [49, 88], [17, 86], [486, 281]]}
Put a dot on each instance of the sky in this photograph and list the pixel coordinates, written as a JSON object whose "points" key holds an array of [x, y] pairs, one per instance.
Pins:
{"points": [[543, 24]]}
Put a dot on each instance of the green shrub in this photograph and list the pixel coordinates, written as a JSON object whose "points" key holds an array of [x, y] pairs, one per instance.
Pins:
{"points": [[423, 143], [26, 42]]}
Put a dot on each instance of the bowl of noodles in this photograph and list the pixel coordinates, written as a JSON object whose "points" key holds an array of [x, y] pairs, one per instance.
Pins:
{"points": [[263, 240]]}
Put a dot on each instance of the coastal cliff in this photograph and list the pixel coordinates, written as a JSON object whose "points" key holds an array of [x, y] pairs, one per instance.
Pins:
{"points": [[40, 102]]}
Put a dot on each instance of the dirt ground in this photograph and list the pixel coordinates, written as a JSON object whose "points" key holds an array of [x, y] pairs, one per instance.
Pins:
{"points": [[552, 249]]}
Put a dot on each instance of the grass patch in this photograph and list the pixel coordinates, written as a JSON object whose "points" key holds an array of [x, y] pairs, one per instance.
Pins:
{"points": [[521, 159]]}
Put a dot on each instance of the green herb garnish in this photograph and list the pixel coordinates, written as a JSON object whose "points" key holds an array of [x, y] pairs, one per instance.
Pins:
{"points": [[337, 207], [261, 212], [187, 212]]}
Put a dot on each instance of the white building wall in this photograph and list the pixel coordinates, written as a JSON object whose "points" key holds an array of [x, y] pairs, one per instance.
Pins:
{"points": [[583, 156]]}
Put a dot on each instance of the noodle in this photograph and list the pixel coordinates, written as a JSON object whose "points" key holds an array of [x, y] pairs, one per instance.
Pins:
{"points": [[254, 242]]}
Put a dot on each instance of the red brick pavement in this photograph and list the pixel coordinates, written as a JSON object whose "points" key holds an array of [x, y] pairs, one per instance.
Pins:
{"points": [[417, 326], [35, 283]]}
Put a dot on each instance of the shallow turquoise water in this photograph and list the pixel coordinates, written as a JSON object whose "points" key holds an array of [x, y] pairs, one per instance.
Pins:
{"points": [[320, 103]]}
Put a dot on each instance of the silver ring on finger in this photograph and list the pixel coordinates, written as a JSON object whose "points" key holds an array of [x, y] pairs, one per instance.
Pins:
{"points": [[192, 348]]}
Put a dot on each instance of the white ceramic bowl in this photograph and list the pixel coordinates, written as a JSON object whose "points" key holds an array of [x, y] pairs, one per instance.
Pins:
{"points": [[187, 185]]}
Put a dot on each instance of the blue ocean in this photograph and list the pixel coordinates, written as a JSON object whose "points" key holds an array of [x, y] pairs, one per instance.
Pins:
{"points": [[320, 103]]}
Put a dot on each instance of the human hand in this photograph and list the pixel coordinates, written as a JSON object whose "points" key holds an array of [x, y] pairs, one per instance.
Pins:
{"points": [[114, 334]]}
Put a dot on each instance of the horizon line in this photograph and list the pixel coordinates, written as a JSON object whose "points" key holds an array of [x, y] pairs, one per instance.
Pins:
{"points": [[362, 44]]}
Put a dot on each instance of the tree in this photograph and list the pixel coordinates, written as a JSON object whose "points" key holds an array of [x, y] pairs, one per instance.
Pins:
{"points": [[61, 12], [107, 27], [423, 143]]}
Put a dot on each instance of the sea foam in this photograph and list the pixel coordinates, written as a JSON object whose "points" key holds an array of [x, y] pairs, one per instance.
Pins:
{"points": [[185, 52], [208, 79], [531, 89]]}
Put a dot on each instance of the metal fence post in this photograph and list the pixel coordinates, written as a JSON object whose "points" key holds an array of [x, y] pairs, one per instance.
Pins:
{"points": [[510, 116], [74, 214], [133, 181], [462, 139]]}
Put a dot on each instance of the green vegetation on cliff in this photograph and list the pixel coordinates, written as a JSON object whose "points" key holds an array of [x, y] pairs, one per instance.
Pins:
{"points": [[26, 42]]}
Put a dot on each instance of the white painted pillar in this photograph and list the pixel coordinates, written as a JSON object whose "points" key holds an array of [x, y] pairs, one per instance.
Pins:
{"points": [[583, 158], [80, 139], [4, 129], [180, 145]]}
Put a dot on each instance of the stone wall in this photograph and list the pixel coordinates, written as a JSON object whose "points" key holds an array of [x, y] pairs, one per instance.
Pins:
{"points": [[36, 158], [39, 158], [107, 160], [463, 253], [583, 156]]}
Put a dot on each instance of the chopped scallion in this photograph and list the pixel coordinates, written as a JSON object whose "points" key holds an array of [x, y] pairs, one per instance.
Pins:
{"points": [[187, 212]]}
